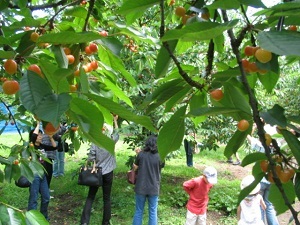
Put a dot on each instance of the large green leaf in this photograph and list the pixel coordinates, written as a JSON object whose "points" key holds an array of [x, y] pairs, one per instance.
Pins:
{"points": [[6, 54], [253, 157], [269, 80], [133, 6], [4, 217], [79, 12], [176, 98], [60, 56], [199, 31], [212, 111], [90, 120], [276, 198], [26, 46], [293, 143], [118, 92], [35, 217], [225, 4], [16, 217], [164, 59], [253, 3], [69, 37], [171, 135], [121, 111], [236, 141], [38, 98], [116, 64], [280, 42], [275, 116]]}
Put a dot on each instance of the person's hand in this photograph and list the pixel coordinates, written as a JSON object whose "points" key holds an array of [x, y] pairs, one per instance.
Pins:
{"points": [[138, 150]]}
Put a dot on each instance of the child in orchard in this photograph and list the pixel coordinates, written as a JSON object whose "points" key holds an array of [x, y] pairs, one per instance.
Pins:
{"points": [[198, 189], [248, 211]]}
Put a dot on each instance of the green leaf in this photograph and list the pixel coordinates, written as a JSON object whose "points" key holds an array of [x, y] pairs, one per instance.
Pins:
{"points": [[236, 141], [6, 54], [121, 111], [69, 37], [26, 46], [225, 4], [212, 111], [269, 80], [164, 59], [275, 116], [35, 217], [4, 216], [118, 92], [60, 56], [297, 184], [199, 31], [293, 143], [171, 135], [253, 3], [280, 42], [15, 217], [253, 157], [79, 12], [115, 63], [276, 198], [176, 98], [90, 120], [133, 6]]}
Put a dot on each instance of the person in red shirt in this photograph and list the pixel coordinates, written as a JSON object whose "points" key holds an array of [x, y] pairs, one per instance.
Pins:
{"points": [[198, 189]]}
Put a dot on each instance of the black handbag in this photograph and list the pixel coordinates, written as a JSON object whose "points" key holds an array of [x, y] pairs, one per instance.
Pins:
{"points": [[23, 182], [90, 175]]}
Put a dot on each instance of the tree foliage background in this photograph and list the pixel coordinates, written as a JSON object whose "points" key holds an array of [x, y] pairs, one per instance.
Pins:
{"points": [[156, 71]]}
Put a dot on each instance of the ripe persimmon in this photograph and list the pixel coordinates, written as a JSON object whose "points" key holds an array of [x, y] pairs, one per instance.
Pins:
{"points": [[67, 51], [103, 33], [10, 87], [250, 50], [87, 50], [216, 94], [10, 66]]}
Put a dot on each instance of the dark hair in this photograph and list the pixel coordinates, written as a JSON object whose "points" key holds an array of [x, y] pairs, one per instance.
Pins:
{"points": [[30, 135], [150, 144]]}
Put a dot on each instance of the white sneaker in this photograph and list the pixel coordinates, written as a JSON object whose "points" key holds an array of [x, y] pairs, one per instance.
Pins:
{"points": [[51, 197], [51, 190]]}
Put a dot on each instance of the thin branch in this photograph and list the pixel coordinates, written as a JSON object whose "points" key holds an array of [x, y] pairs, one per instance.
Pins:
{"points": [[91, 6]]}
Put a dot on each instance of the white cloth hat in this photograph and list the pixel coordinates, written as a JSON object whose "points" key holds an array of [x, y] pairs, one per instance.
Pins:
{"points": [[247, 181], [211, 174]]}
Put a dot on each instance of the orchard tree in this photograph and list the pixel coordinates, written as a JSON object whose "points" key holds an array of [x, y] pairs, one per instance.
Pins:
{"points": [[86, 60]]}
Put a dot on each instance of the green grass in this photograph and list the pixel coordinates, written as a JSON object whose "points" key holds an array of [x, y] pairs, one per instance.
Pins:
{"points": [[69, 197]]}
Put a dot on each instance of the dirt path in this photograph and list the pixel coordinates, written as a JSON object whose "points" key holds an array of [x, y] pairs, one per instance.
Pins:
{"points": [[240, 172]]}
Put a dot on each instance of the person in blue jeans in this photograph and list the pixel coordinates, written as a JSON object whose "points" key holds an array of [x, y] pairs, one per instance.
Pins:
{"points": [[148, 165], [39, 184], [269, 214], [59, 161]]}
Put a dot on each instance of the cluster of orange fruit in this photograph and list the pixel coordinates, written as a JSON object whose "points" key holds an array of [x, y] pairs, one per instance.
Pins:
{"points": [[131, 46], [284, 173], [260, 55]]}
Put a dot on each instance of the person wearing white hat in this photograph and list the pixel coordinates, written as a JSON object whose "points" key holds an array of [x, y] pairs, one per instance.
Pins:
{"points": [[248, 211], [198, 189]]}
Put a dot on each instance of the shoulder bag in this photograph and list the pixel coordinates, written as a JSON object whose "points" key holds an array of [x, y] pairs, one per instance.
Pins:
{"points": [[90, 175], [23, 182], [131, 176]]}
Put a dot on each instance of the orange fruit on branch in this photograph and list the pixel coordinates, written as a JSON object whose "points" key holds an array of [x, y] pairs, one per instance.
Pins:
{"points": [[50, 129], [216, 94], [10, 87], [243, 125], [10, 66], [263, 55], [35, 68], [180, 11], [34, 36]]}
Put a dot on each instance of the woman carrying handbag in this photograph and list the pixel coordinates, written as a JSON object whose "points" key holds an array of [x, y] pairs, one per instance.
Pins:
{"points": [[108, 163]]}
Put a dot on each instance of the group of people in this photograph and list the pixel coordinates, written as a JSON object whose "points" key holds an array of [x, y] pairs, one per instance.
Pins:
{"points": [[251, 210]]}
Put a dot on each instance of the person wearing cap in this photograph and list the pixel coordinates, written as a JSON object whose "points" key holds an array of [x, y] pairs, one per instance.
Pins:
{"points": [[248, 211], [198, 189]]}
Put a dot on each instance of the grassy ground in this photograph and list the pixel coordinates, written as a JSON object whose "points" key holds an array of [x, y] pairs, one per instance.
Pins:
{"points": [[65, 207]]}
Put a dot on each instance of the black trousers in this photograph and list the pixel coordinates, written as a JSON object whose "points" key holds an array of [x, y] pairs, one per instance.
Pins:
{"points": [[106, 191]]}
